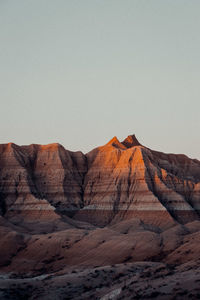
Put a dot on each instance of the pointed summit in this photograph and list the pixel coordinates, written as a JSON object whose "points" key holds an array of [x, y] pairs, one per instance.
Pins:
{"points": [[131, 141], [113, 140], [116, 143]]}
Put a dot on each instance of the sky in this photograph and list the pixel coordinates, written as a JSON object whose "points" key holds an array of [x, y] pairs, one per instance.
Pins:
{"points": [[80, 72]]}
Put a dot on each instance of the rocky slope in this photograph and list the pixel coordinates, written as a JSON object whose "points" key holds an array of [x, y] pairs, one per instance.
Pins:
{"points": [[142, 280], [121, 221], [37, 182], [111, 183], [129, 179]]}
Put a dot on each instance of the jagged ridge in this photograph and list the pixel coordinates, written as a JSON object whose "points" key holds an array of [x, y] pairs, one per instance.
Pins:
{"points": [[113, 182]]}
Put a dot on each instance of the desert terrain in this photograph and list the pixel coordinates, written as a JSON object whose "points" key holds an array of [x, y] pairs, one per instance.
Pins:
{"points": [[120, 222]]}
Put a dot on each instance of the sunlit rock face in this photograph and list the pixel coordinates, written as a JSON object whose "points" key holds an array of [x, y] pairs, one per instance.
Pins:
{"points": [[117, 183], [127, 180], [114, 182]]}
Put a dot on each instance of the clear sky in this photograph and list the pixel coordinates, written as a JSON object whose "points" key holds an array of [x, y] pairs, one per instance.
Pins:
{"points": [[81, 72]]}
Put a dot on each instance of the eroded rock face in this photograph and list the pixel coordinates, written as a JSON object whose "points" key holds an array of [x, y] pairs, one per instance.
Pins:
{"points": [[143, 199], [114, 182], [126, 180], [39, 182]]}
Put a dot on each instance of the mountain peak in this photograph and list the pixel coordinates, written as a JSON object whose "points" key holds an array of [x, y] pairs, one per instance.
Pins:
{"points": [[116, 143], [114, 140], [131, 141]]}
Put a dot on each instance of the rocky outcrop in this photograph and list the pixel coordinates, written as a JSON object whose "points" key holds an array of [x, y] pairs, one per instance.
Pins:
{"points": [[114, 182], [40, 182], [143, 199], [126, 180]]}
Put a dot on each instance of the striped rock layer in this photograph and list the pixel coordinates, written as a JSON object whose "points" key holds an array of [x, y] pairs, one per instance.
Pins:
{"points": [[117, 181]]}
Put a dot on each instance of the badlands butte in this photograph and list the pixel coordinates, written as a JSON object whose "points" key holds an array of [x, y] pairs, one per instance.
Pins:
{"points": [[120, 222]]}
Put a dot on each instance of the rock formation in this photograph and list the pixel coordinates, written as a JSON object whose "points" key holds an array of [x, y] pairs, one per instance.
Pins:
{"points": [[98, 225], [114, 182]]}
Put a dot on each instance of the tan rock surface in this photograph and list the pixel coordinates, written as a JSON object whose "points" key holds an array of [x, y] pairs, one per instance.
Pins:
{"points": [[64, 213], [111, 183]]}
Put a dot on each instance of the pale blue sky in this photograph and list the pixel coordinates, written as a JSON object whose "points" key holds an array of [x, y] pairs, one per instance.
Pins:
{"points": [[81, 72]]}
